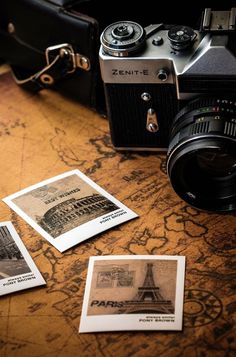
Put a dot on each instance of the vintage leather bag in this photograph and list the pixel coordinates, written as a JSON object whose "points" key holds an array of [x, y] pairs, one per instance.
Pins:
{"points": [[50, 44]]}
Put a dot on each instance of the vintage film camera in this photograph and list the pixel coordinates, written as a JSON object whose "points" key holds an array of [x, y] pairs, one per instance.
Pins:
{"points": [[172, 86]]}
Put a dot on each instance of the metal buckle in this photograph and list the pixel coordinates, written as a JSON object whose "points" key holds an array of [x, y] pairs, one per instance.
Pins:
{"points": [[66, 50]]}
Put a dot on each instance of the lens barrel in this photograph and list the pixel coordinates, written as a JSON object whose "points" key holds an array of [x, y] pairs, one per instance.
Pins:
{"points": [[201, 160]]}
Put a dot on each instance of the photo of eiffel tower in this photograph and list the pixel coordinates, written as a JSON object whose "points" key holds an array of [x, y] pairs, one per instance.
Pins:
{"points": [[148, 298]]}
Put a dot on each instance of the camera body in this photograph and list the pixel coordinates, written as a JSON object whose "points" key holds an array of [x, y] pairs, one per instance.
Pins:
{"points": [[150, 74], [175, 87]]}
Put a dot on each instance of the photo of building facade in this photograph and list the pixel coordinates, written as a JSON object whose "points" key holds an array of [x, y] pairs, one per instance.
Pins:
{"points": [[133, 287], [8, 248], [148, 298], [12, 262], [73, 212]]}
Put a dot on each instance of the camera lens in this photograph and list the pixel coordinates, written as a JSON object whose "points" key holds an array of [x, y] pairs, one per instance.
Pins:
{"points": [[201, 160]]}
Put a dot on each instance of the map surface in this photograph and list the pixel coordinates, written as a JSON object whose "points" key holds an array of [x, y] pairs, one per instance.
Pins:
{"points": [[45, 134]]}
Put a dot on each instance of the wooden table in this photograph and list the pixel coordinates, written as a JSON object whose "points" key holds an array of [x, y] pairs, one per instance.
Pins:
{"points": [[45, 134]]}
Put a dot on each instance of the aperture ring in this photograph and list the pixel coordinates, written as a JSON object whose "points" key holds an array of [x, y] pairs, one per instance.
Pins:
{"points": [[221, 127]]}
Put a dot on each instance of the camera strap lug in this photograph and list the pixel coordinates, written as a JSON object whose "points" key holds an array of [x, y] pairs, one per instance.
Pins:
{"points": [[152, 123], [61, 60]]}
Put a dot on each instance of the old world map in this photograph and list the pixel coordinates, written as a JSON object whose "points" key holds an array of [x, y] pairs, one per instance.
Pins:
{"points": [[45, 134]]}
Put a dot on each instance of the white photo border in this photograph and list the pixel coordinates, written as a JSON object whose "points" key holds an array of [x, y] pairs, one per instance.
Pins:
{"points": [[20, 281], [131, 322], [82, 232]]}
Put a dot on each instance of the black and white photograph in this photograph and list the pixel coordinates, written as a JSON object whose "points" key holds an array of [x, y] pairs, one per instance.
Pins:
{"points": [[133, 293], [68, 209], [17, 269]]}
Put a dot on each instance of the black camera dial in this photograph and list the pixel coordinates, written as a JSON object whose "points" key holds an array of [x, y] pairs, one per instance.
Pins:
{"points": [[122, 38], [181, 37]]}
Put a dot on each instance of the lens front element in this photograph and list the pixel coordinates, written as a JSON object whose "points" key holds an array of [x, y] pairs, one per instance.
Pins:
{"points": [[216, 163]]}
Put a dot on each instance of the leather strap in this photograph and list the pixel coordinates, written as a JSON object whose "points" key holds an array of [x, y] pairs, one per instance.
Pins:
{"points": [[61, 60]]}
